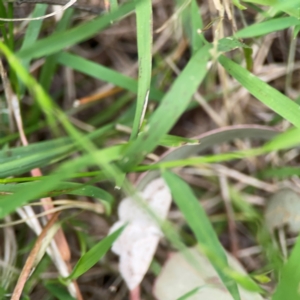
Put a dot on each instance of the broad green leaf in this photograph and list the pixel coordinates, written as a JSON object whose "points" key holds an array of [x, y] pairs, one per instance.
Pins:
{"points": [[143, 9], [268, 95], [267, 27], [172, 106], [61, 40], [288, 286], [90, 258], [199, 223], [103, 73]]}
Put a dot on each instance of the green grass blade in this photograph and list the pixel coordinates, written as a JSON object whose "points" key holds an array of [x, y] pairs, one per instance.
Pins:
{"points": [[10, 13], [144, 40], [192, 22], [65, 188], [172, 106], [90, 258], [288, 139], [100, 72], [113, 5], [19, 152], [288, 287], [58, 291], [189, 294], [267, 27], [33, 29], [199, 223], [271, 97], [12, 167], [61, 40], [66, 170], [281, 173], [50, 64], [3, 15]]}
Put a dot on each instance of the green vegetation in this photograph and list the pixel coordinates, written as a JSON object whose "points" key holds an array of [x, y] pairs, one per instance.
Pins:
{"points": [[93, 108]]}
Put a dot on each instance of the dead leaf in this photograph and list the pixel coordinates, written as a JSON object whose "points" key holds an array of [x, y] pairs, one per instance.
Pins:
{"points": [[137, 244]]}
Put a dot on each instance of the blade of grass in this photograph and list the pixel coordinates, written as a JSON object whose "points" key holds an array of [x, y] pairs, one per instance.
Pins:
{"points": [[288, 287], [271, 97], [281, 173], [286, 140], [58, 291], [144, 40], [52, 112], [3, 15], [90, 258], [100, 72], [113, 5], [64, 188], [50, 64], [12, 167], [199, 223], [61, 40], [65, 170], [192, 22], [170, 109], [267, 27], [33, 30]]}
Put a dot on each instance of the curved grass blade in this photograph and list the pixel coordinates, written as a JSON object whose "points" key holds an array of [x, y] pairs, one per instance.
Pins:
{"points": [[144, 40], [276, 101], [61, 40], [68, 188], [199, 223], [100, 72], [12, 167], [20, 152], [267, 27]]}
